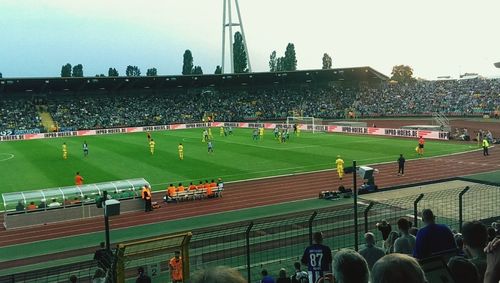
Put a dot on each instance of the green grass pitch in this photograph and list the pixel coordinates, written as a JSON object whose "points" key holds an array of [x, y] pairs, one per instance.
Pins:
{"points": [[38, 164]]}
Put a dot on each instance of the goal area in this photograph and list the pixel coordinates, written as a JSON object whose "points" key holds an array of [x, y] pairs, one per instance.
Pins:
{"points": [[305, 123]]}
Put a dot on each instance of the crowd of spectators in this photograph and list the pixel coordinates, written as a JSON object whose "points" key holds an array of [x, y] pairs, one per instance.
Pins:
{"points": [[18, 115], [434, 254], [450, 97], [70, 112]]}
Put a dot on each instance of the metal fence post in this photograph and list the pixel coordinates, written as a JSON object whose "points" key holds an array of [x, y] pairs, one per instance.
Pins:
{"points": [[247, 235], [461, 208], [367, 209], [415, 210], [311, 219], [355, 192]]}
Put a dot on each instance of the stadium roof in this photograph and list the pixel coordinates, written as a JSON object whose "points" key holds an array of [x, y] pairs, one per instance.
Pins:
{"points": [[54, 84]]}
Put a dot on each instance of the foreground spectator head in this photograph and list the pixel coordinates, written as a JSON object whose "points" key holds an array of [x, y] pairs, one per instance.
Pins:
{"points": [[318, 237], [370, 239], [350, 267], [475, 235], [404, 225], [462, 270], [219, 274], [428, 216], [397, 268], [73, 279], [282, 273]]}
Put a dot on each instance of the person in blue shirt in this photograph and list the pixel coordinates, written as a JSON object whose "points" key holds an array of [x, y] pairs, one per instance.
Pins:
{"points": [[433, 238], [266, 278]]}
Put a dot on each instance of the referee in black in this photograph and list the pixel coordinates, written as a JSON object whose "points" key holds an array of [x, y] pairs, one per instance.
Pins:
{"points": [[401, 163]]}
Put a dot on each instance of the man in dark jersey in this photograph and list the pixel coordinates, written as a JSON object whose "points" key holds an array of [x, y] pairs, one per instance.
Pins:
{"points": [[318, 258]]}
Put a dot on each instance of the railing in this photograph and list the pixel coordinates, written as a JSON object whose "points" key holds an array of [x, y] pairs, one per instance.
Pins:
{"points": [[277, 242]]}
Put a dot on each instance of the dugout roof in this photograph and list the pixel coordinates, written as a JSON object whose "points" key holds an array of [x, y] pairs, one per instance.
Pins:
{"points": [[115, 84]]}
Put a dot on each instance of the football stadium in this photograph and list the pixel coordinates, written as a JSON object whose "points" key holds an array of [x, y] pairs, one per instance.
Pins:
{"points": [[299, 175]]}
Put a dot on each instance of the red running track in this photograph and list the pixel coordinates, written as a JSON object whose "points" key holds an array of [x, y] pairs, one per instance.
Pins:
{"points": [[237, 195]]}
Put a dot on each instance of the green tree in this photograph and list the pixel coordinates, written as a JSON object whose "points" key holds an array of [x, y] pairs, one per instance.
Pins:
{"points": [[327, 61], [272, 61], [151, 72], [112, 72], [1, 75], [280, 64], [218, 70], [132, 71], [99, 75], [78, 71], [239, 55], [290, 60], [402, 74], [187, 67], [197, 71], [66, 70]]}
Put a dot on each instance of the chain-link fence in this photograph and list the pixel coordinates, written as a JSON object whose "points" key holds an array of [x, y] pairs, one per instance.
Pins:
{"points": [[277, 242]]}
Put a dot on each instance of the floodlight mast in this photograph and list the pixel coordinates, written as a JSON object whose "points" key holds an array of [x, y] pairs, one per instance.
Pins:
{"points": [[228, 10]]}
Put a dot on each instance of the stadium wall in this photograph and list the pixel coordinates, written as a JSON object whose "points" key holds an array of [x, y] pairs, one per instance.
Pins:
{"points": [[437, 135]]}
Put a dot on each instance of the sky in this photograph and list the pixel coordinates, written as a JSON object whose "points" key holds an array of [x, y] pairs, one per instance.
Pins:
{"points": [[434, 37]]}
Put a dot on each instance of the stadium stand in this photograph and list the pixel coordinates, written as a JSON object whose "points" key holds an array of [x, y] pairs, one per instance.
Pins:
{"points": [[113, 102]]}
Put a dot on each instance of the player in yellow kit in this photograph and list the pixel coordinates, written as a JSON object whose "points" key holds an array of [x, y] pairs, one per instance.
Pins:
{"points": [[340, 166], [152, 146], [210, 137], [181, 151], [261, 133], [65, 151]]}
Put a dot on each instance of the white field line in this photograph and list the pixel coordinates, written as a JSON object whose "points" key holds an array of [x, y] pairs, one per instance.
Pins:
{"points": [[9, 156]]}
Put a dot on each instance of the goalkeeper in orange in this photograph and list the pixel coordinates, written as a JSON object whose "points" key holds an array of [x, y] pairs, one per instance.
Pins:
{"points": [[340, 166]]}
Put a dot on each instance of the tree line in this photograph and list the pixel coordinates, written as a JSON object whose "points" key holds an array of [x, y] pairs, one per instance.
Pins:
{"points": [[287, 62]]}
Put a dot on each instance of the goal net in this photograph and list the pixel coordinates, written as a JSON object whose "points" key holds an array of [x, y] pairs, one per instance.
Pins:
{"points": [[305, 123]]}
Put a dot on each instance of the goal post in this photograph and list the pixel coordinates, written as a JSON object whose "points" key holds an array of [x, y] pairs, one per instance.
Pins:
{"points": [[310, 122]]}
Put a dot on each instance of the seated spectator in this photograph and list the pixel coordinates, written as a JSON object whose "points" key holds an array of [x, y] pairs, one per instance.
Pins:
{"points": [[75, 200], [42, 204], [180, 188], [405, 244], [19, 206], [371, 253], [282, 277], [433, 238], [54, 203], [266, 278], [349, 266], [397, 268], [31, 206], [192, 187], [213, 184], [463, 271], [475, 240], [385, 228], [218, 274]]}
